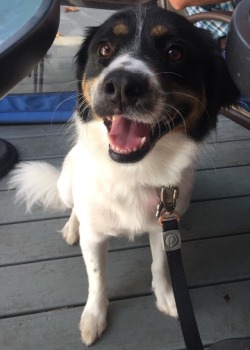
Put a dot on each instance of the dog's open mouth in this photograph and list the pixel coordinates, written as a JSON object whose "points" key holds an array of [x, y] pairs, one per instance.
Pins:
{"points": [[130, 141]]}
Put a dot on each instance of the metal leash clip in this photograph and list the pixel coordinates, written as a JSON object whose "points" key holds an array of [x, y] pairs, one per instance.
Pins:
{"points": [[168, 198]]}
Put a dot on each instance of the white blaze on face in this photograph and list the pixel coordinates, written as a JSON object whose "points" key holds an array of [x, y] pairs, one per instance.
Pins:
{"points": [[127, 62]]}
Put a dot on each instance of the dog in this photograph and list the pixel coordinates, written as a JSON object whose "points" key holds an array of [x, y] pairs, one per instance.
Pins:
{"points": [[150, 87]]}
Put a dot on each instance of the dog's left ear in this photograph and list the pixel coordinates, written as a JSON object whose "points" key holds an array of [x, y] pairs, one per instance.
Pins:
{"points": [[151, 3], [220, 88], [223, 87]]}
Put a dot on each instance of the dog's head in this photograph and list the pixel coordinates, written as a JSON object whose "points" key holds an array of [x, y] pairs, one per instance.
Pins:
{"points": [[146, 72]]}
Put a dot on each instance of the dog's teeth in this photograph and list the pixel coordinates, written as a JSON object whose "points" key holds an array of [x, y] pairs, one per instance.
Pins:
{"points": [[143, 140], [127, 150]]}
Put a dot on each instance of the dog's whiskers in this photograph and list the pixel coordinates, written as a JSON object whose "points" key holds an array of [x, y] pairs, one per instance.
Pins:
{"points": [[189, 96], [169, 116]]}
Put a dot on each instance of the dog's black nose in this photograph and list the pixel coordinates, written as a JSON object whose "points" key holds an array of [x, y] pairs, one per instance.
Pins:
{"points": [[124, 88]]}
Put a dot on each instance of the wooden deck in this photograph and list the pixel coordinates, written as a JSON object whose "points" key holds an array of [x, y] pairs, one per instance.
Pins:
{"points": [[43, 283]]}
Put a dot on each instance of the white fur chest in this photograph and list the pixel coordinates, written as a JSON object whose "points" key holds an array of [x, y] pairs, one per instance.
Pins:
{"points": [[118, 198], [113, 202]]}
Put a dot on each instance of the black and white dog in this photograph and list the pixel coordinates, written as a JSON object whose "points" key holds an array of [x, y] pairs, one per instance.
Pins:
{"points": [[150, 87]]}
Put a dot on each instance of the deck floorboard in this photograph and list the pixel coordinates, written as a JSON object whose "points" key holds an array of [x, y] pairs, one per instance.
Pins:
{"points": [[44, 283]]}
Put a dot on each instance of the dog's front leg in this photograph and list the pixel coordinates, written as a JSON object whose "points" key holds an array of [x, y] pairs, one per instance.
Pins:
{"points": [[70, 231], [161, 282], [93, 321]]}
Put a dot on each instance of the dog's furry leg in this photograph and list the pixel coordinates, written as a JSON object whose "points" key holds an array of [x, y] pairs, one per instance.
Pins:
{"points": [[161, 282], [93, 320], [70, 231]]}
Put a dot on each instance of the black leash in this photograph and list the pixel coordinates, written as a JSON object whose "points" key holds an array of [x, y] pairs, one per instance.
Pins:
{"points": [[171, 240], [187, 319], [171, 244]]}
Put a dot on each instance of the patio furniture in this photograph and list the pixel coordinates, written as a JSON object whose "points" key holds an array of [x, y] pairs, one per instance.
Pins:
{"points": [[237, 51], [27, 30]]}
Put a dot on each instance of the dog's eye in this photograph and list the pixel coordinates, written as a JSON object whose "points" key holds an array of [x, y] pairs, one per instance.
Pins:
{"points": [[105, 50], [174, 54]]}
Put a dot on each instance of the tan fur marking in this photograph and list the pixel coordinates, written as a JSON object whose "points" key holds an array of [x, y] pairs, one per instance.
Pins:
{"points": [[159, 30], [86, 90], [120, 29], [199, 107], [198, 110]]}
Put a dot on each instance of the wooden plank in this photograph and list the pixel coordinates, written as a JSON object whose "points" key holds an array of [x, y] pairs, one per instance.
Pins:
{"points": [[204, 219], [215, 155], [41, 240], [216, 218], [40, 147], [11, 213], [221, 183], [13, 131], [27, 85], [54, 161], [228, 131], [225, 154], [87, 17], [4, 183], [135, 323], [222, 118], [209, 184], [24, 288]]}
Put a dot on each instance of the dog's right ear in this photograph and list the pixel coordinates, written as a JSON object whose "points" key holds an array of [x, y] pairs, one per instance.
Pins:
{"points": [[82, 55], [81, 60]]}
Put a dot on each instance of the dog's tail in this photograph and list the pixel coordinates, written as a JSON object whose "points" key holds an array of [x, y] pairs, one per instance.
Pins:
{"points": [[36, 183]]}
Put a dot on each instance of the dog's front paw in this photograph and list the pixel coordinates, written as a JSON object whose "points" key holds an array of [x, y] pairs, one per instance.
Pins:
{"points": [[168, 308], [92, 326], [165, 301], [70, 233]]}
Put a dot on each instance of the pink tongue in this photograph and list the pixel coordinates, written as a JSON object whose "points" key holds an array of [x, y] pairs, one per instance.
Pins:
{"points": [[127, 134]]}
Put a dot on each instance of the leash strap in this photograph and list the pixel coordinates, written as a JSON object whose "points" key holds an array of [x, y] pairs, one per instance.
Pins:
{"points": [[171, 244], [171, 241]]}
